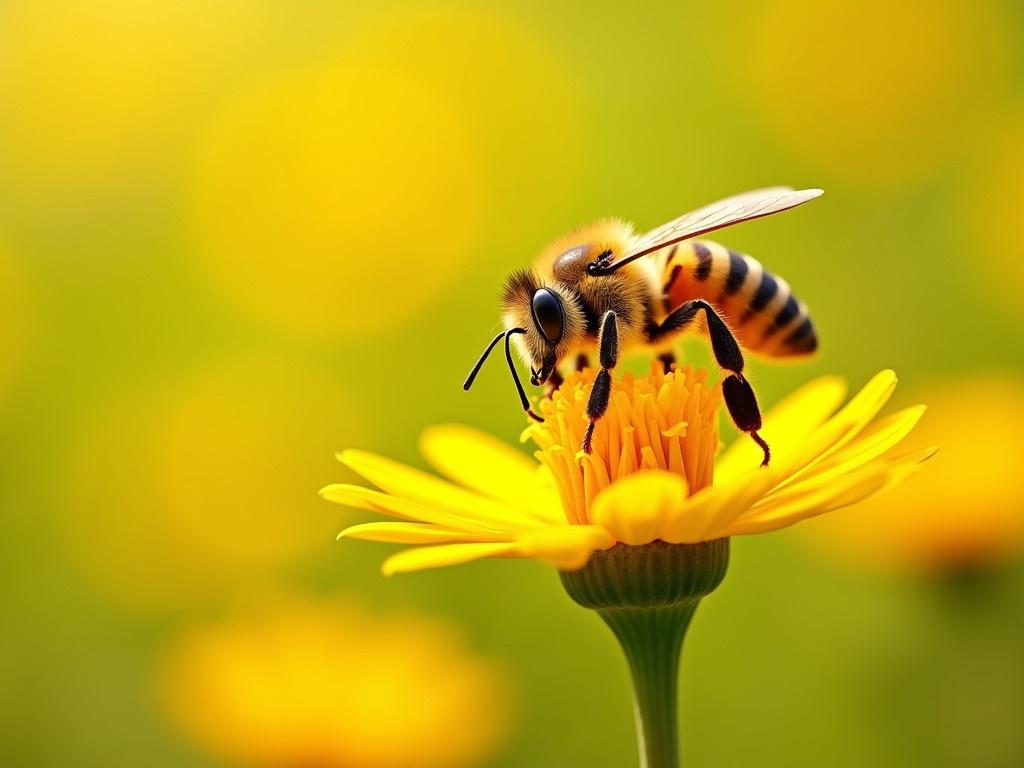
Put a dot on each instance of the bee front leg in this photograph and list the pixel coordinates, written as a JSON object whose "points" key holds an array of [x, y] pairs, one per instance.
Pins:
{"points": [[600, 393], [739, 395]]}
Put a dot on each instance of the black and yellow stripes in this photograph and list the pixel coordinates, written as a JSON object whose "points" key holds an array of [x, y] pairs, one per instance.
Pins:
{"points": [[759, 306]]}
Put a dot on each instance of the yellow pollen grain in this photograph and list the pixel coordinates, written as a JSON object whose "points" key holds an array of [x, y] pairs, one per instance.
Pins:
{"points": [[661, 421]]}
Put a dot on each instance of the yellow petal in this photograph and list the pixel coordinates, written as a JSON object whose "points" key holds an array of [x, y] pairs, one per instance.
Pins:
{"points": [[358, 497], [809, 499], [812, 484], [705, 515], [567, 547], [634, 509], [412, 484], [841, 493], [841, 428], [785, 426], [475, 460], [422, 558], [870, 444], [415, 533]]}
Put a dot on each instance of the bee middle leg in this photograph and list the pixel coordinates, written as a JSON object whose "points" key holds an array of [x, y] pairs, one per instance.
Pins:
{"points": [[600, 393], [739, 395]]}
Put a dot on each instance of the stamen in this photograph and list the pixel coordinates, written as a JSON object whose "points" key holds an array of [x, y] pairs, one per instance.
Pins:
{"points": [[662, 421]]}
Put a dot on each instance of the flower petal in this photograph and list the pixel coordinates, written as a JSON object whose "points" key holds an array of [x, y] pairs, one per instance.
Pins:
{"points": [[412, 484], [810, 499], [567, 547], [785, 426], [841, 428], [879, 438], [358, 497], [475, 460], [635, 509], [422, 558], [705, 515], [416, 533]]}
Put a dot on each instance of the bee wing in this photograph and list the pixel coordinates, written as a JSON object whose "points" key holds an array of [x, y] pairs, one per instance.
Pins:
{"points": [[724, 213]]}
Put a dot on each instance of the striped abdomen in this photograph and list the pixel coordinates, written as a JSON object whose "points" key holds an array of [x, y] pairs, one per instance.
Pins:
{"points": [[760, 307]]}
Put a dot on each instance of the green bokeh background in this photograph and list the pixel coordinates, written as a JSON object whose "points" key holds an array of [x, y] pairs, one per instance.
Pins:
{"points": [[657, 108]]}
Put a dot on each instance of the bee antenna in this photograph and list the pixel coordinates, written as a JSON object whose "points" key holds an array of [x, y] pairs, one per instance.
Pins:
{"points": [[480, 363], [515, 376]]}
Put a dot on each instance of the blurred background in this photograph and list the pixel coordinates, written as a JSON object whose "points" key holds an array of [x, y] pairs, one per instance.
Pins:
{"points": [[238, 236]]}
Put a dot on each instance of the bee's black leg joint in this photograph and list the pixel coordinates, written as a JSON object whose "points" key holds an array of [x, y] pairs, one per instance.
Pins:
{"points": [[668, 360], [600, 393], [723, 343], [582, 361], [739, 395], [743, 408]]}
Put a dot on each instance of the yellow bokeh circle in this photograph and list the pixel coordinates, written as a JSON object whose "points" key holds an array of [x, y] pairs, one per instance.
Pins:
{"points": [[95, 92], [337, 199], [516, 91], [965, 508], [876, 92], [326, 683], [205, 486]]}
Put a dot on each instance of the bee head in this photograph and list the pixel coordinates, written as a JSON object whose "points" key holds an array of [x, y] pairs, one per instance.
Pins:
{"points": [[550, 317]]}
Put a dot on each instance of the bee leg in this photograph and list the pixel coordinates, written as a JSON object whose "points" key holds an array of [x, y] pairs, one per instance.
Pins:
{"points": [[600, 393], [554, 382], [582, 361], [739, 395], [668, 359]]}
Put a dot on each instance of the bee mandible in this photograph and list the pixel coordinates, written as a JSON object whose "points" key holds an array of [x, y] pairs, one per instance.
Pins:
{"points": [[592, 291]]}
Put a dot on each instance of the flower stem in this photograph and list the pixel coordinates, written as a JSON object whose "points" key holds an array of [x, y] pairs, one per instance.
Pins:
{"points": [[647, 596], [652, 640]]}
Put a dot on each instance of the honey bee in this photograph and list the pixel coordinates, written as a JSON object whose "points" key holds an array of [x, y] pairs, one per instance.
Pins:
{"points": [[592, 291]]}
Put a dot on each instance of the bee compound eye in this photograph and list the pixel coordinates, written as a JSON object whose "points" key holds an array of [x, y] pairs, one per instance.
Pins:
{"points": [[548, 315]]}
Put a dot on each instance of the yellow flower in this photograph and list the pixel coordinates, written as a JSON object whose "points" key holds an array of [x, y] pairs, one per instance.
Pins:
{"points": [[326, 684], [653, 474]]}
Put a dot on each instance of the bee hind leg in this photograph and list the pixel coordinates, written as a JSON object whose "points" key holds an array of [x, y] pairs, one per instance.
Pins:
{"points": [[600, 393], [736, 390], [668, 359]]}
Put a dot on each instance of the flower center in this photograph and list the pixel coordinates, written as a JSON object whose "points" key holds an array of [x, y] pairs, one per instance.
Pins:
{"points": [[661, 421]]}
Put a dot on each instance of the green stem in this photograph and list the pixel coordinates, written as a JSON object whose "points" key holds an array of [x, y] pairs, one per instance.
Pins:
{"points": [[647, 596], [652, 639]]}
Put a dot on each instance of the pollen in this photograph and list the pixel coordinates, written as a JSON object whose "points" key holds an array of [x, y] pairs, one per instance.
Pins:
{"points": [[666, 421]]}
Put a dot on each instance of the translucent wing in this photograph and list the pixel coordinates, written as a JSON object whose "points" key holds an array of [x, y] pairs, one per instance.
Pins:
{"points": [[724, 213]]}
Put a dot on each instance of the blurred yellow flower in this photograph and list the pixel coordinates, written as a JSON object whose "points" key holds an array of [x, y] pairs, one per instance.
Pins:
{"points": [[197, 487], [517, 90], [324, 193], [330, 685], [95, 92], [345, 196], [652, 474], [877, 92], [968, 510]]}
